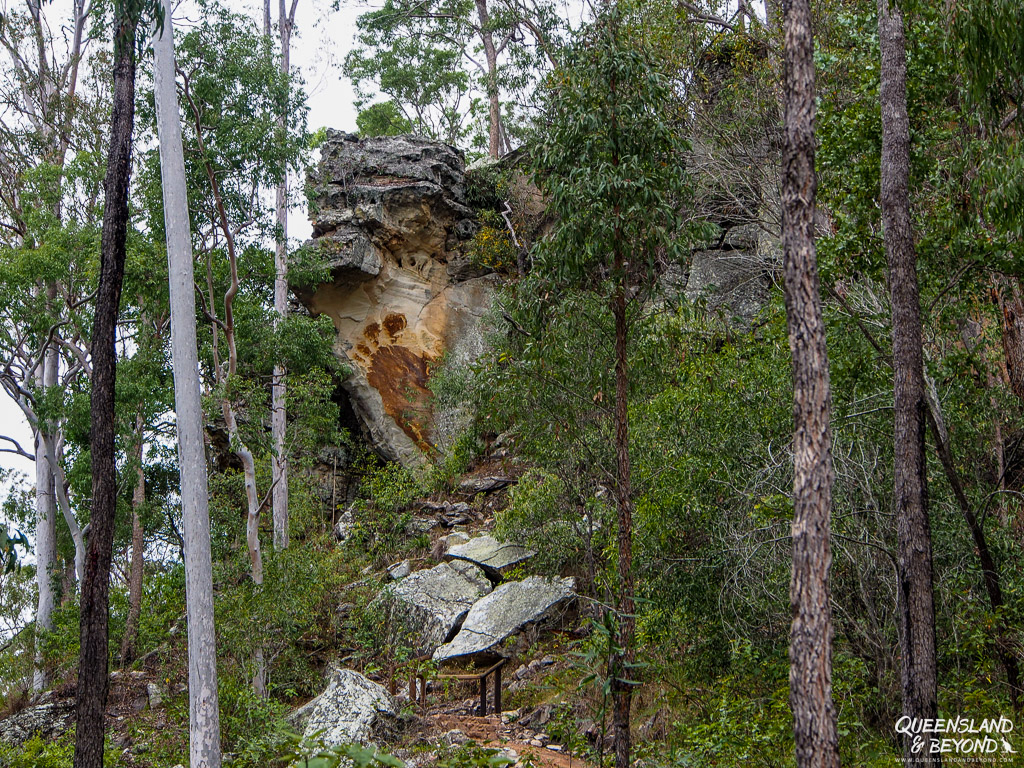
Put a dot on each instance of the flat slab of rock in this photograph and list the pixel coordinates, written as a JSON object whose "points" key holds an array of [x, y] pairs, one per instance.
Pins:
{"points": [[487, 484], [507, 610], [352, 710], [426, 608], [495, 557]]}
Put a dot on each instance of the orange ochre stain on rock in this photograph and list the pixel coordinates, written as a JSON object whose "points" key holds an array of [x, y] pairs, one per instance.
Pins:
{"points": [[371, 332], [394, 324], [400, 376]]}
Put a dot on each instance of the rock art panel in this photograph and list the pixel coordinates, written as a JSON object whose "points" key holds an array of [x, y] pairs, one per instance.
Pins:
{"points": [[391, 225]]}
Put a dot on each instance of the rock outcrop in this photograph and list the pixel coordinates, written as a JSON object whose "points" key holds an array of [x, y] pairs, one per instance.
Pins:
{"points": [[391, 224], [352, 710], [495, 557], [509, 609], [426, 608]]}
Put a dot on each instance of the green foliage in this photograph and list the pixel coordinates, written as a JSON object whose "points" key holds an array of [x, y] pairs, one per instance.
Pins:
{"points": [[311, 753], [610, 156], [492, 246], [254, 727], [472, 755], [423, 56], [9, 542], [384, 118]]}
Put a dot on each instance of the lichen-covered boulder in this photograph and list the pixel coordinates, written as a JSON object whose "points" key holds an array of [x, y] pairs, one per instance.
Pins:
{"points": [[47, 720], [352, 710], [509, 609], [495, 557], [426, 608]]}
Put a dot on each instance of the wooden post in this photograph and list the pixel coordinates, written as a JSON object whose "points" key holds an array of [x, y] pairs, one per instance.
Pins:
{"points": [[497, 691], [423, 692], [412, 687], [483, 695]]}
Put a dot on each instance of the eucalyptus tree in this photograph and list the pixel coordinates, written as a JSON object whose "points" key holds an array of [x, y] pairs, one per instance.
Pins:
{"points": [[439, 62], [204, 713], [810, 651], [91, 695], [236, 149], [609, 156], [914, 548], [46, 123], [279, 408]]}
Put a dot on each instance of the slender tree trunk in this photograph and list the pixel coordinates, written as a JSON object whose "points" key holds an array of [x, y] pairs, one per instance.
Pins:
{"points": [[204, 714], [253, 506], [91, 698], [279, 412], [1005, 646], [60, 488], [810, 649], [491, 56], [622, 686], [622, 661], [46, 530], [131, 625], [914, 548], [1012, 311]]}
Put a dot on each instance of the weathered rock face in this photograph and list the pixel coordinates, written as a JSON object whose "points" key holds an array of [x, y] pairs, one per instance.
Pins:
{"points": [[391, 223], [507, 610], [352, 710], [427, 607]]}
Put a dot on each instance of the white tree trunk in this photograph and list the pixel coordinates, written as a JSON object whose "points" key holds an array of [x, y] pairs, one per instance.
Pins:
{"points": [[46, 529], [279, 413], [204, 715], [61, 487]]}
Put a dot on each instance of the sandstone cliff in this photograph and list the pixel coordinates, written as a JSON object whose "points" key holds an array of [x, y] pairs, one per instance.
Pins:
{"points": [[390, 221]]}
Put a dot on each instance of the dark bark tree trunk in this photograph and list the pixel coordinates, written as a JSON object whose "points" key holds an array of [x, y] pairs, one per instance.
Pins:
{"points": [[914, 548], [989, 570], [622, 660], [491, 56], [131, 624], [622, 687], [91, 697], [810, 649], [1012, 311]]}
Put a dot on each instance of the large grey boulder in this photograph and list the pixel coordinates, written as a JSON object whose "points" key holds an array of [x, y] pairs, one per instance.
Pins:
{"points": [[426, 608], [48, 721], [495, 557], [351, 710], [509, 609]]}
